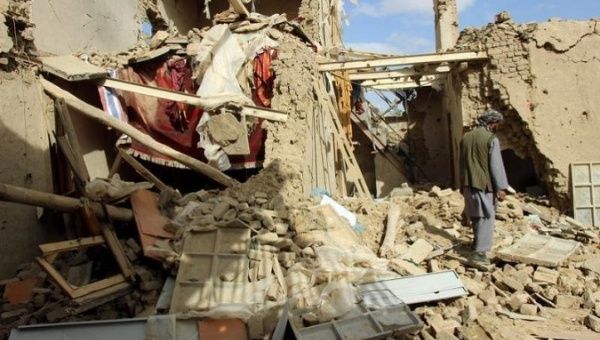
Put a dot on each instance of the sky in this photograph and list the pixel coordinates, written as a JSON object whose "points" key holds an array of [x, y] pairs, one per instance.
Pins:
{"points": [[406, 26]]}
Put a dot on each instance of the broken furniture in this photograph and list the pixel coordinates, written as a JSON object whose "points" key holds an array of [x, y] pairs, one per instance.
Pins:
{"points": [[107, 285]]}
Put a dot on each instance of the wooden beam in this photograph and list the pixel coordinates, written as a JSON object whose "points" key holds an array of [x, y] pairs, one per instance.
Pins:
{"points": [[115, 246], [404, 60], [406, 84], [57, 247], [239, 7], [65, 118], [100, 116], [190, 99], [404, 72], [11, 193], [98, 286], [402, 80], [151, 91], [263, 113], [142, 170], [403, 86], [67, 151]]}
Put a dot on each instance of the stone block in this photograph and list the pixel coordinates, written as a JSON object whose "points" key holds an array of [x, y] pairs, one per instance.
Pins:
{"points": [[403, 267], [543, 274], [593, 322], [528, 309], [488, 296], [220, 209], [567, 301], [517, 300], [418, 251]]}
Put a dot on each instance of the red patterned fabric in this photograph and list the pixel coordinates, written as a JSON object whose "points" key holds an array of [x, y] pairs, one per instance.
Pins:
{"points": [[264, 78], [173, 123]]}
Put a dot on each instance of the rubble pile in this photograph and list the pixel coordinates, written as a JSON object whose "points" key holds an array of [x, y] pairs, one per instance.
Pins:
{"points": [[287, 247], [32, 297], [310, 258]]}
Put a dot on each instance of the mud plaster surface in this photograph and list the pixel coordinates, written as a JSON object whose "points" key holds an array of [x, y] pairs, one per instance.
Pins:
{"points": [[285, 163], [545, 77], [25, 162], [64, 26]]}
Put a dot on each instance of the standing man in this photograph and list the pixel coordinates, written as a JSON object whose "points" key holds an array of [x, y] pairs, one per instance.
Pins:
{"points": [[483, 181]]}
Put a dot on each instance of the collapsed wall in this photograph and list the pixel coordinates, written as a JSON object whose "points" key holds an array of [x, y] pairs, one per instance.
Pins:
{"points": [[104, 31], [543, 77]]}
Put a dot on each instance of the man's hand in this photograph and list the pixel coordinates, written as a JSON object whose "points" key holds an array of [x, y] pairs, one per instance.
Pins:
{"points": [[501, 195]]}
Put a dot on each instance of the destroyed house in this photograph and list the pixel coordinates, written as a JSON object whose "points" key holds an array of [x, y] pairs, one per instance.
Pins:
{"points": [[218, 170]]}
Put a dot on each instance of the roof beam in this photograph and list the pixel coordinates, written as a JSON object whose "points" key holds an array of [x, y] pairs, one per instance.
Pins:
{"points": [[403, 60], [403, 86], [403, 80], [404, 72]]}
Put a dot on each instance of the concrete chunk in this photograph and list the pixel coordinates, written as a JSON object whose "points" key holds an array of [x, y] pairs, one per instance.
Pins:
{"points": [[418, 251], [528, 309], [543, 274], [593, 323], [568, 301]]}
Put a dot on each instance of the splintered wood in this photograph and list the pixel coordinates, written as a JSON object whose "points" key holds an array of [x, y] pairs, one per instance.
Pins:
{"points": [[349, 171]]}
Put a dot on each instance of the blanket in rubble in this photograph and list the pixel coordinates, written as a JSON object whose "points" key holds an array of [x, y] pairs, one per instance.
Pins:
{"points": [[173, 123]]}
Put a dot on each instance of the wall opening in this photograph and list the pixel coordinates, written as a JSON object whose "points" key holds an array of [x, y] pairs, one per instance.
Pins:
{"points": [[521, 173]]}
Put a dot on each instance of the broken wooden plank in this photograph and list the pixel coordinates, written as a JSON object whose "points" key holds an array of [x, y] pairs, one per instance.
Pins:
{"points": [[67, 151], [540, 250], [77, 292], [99, 298], [117, 249], [11, 193], [405, 72], [71, 68], [56, 247], [142, 170], [65, 118], [353, 170], [181, 97], [100, 116], [404, 60]]}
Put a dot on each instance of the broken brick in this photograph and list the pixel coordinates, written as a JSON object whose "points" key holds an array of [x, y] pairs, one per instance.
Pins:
{"points": [[17, 292]]}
